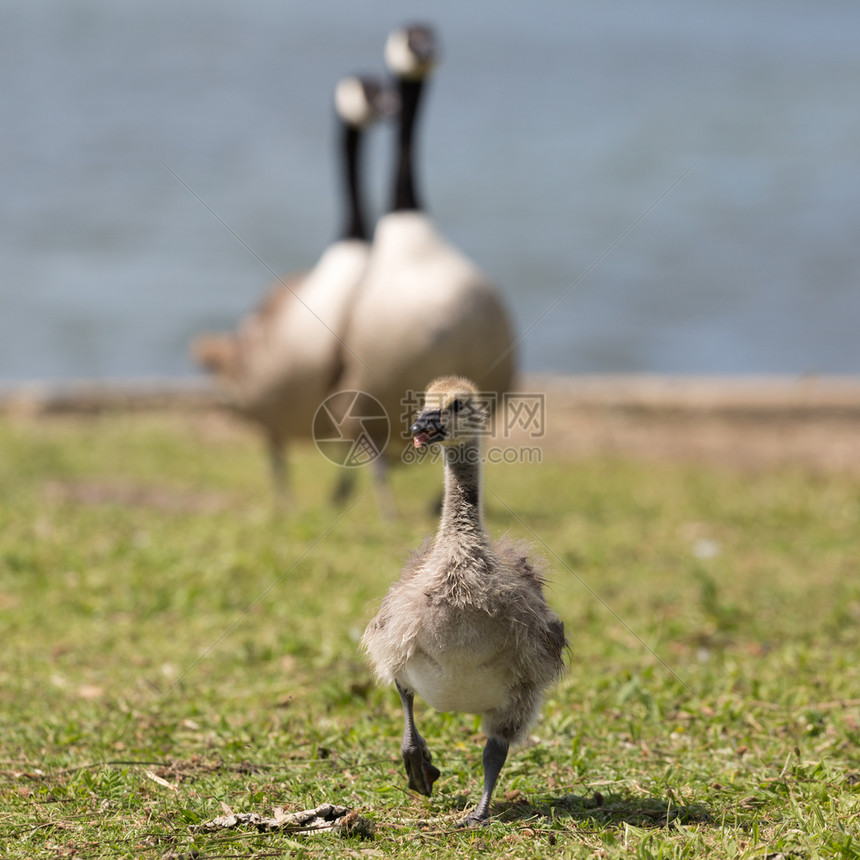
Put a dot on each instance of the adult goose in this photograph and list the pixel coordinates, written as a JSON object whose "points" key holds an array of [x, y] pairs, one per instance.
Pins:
{"points": [[277, 368], [466, 626], [424, 309]]}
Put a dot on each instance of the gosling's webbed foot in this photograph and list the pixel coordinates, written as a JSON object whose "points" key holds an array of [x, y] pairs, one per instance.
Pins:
{"points": [[422, 774], [416, 757], [495, 753], [473, 819]]}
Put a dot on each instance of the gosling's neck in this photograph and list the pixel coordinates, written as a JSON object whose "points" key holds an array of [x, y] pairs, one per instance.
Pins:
{"points": [[462, 516]]}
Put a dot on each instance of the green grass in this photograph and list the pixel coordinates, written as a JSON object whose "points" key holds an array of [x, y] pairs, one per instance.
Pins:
{"points": [[172, 643]]}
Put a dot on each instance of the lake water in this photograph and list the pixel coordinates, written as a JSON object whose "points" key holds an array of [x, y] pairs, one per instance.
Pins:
{"points": [[678, 182]]}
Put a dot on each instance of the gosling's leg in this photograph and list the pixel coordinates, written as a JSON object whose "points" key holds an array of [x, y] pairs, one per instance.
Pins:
{"points": [[495, 753], [416, 757]]}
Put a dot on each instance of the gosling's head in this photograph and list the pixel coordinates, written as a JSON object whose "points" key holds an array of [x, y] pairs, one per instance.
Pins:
{"points": [[412, 52], [453, 413], [360, 101]]}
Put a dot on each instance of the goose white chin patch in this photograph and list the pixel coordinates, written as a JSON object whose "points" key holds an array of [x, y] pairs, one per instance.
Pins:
{"points": [[350, 101], [399, 56]]}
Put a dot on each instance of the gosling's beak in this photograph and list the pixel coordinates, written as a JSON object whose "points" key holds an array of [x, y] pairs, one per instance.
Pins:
{"points": [[427, 428]]}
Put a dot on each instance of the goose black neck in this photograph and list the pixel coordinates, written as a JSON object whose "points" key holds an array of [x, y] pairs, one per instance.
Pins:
{"points": [[405, 193], [355, 226], [461, 507]]}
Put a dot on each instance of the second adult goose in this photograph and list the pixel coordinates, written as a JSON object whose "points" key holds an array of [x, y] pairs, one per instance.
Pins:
{"points": [[467, 626], [424, 309], [280, 364]]}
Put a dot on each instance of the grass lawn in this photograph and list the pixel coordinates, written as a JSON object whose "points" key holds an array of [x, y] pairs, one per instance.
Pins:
{"points": [[173, 645]]}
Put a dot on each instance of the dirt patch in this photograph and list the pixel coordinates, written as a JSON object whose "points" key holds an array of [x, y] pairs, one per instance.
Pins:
{"points": [[746, 424], [94, 492]]}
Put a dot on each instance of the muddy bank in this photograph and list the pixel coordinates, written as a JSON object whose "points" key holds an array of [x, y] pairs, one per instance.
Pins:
{"points": [[740, 422]]}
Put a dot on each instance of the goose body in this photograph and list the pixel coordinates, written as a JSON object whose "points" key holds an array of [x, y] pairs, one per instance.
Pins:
{"points": [[466, 626], [288, 348], [280, 364], [424, 305]]}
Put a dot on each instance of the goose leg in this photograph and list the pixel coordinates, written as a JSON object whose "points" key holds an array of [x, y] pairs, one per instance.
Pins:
{"points": [[344, 487], [384, 496], [278, 466], [495, 753], [416, 757]]}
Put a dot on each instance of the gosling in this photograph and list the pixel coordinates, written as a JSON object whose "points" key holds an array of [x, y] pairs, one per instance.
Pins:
{"points": [[466, 626]]}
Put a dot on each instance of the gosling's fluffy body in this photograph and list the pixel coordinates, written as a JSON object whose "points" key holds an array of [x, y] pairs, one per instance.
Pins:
{"points": [[466, 626]]}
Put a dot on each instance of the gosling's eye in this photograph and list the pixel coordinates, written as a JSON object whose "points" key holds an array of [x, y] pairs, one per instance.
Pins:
{"points": [[456, 406]]}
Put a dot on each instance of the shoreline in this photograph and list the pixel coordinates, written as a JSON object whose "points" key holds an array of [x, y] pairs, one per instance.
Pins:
{"points": [[751, 395], [812, 422]]}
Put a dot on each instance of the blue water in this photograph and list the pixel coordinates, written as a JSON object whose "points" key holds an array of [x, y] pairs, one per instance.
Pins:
{"points": [[678, 182]]}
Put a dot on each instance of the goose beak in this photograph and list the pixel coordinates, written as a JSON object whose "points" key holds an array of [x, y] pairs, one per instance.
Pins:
{"points": [[387, 103], [428, 428], [422, 42]]}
